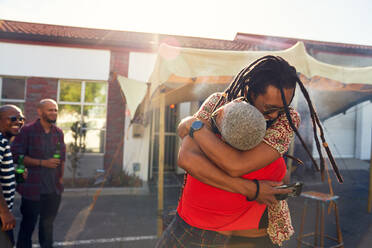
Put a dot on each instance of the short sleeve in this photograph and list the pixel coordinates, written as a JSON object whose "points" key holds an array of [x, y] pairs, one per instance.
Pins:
{"points": [[19, 144], [2, 147], [63, 148], [280, 134], [209, 105]]}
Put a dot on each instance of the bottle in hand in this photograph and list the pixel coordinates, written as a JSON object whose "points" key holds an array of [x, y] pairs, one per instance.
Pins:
{"points": [[20, 169], [57, 152]]}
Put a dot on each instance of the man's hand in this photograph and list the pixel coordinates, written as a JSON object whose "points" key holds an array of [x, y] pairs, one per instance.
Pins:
{"points": [[25, 174], [268, 191], [184, 126], [8, 221], [51, 163]]}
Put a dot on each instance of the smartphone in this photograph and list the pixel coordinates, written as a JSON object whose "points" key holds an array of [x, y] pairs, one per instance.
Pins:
{"points": [[296, 190]]}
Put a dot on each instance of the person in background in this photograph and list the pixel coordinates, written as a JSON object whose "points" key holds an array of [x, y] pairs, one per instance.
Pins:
{"points": [[41, 193], [11, 120]]}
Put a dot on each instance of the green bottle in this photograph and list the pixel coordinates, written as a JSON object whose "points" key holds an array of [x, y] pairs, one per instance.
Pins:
{"points": [[57, 152], [20, 169]]}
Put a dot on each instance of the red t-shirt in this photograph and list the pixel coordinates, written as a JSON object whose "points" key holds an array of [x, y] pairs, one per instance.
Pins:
{"points": [[210, 208]]}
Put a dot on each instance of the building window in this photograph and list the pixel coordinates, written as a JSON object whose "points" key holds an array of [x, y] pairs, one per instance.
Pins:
{"points": [[13, 91], [83, 102]]}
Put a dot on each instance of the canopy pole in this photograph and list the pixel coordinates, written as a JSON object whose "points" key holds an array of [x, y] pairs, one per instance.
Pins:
{"points": [[152, 144], [369, 209], [161, 163]]}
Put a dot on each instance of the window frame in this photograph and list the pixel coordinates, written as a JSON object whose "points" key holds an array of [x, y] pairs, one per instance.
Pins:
{"points": [[10, 100], [82, 104]]}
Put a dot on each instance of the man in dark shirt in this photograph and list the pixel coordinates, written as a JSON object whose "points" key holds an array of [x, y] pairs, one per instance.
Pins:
{"points": [[11, 120], [41, 193]]}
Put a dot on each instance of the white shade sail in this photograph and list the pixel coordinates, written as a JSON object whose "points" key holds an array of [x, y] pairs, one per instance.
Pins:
{"points": [[187, 74]]}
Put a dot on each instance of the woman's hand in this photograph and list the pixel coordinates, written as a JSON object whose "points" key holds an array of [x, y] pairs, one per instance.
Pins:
{"points": [[268, 191], [184, 126]]}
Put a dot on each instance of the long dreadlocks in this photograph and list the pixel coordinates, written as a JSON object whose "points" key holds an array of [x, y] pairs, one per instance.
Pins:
{"points": [[275, 71]]}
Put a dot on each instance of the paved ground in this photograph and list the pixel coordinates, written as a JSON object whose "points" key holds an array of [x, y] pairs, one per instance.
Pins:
{"points": [[122, 218], [356, 223]]}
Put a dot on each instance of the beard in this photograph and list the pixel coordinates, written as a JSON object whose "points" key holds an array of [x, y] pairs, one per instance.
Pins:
{"points": [[51, 121]]}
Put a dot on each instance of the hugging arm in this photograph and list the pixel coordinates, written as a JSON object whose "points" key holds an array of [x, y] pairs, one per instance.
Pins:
{"points": [[236, 163], [232, 161], [192, 159]]}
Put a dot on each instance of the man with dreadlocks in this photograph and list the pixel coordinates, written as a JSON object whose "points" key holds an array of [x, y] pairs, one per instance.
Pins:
{"points": [[269, 84]]}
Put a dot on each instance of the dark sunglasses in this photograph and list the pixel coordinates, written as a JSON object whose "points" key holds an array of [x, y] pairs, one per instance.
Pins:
{"points": [[214, 124], [17, 118]]}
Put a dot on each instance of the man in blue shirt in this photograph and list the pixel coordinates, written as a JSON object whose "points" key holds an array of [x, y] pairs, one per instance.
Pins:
{"points": [[11, 120]]}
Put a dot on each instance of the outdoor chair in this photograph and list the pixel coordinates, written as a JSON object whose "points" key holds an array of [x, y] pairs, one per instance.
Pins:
{"points": [[322, 200]]}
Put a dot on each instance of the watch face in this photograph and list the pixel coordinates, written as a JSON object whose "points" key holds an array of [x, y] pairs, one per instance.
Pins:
{"points": [[196, 125]]}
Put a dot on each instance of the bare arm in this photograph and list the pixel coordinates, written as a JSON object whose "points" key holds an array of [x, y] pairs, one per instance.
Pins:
{"points": [[7, 218], [49, 163], [234, 162], [191, 159], [197, 165]]}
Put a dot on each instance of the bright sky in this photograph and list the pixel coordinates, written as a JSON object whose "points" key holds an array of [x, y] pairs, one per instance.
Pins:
{"points": [[345, 21]]}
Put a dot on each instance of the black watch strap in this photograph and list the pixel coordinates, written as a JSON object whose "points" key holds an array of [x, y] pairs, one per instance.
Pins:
{"points": [[195, 126]]}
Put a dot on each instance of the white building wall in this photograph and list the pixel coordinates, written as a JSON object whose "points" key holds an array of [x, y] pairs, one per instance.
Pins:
{"points": [[363, 131], [136, 149], [136, 152], [54, 62], [349, 135], [339, 132]]}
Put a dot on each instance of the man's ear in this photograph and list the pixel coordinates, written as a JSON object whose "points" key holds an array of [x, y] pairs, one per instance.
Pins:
{"points": [[39, 111], [251, 96]]}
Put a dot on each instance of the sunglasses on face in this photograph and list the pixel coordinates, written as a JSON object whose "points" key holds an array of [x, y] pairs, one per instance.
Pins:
{"points": [[270, 111], [17, 118]]}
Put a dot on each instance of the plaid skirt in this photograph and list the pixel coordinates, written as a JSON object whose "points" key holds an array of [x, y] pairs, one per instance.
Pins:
{"points": [[180, 234], [245, 242]]}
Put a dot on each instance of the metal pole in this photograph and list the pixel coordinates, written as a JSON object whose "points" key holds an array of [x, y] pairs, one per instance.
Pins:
{"points": [[369, 209], [300, 235], [152, 144], [322, 205], [161, 163], [339, 233]]}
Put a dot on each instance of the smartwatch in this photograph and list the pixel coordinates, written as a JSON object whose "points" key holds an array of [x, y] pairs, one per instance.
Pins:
{"points": [[195, 126]]}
